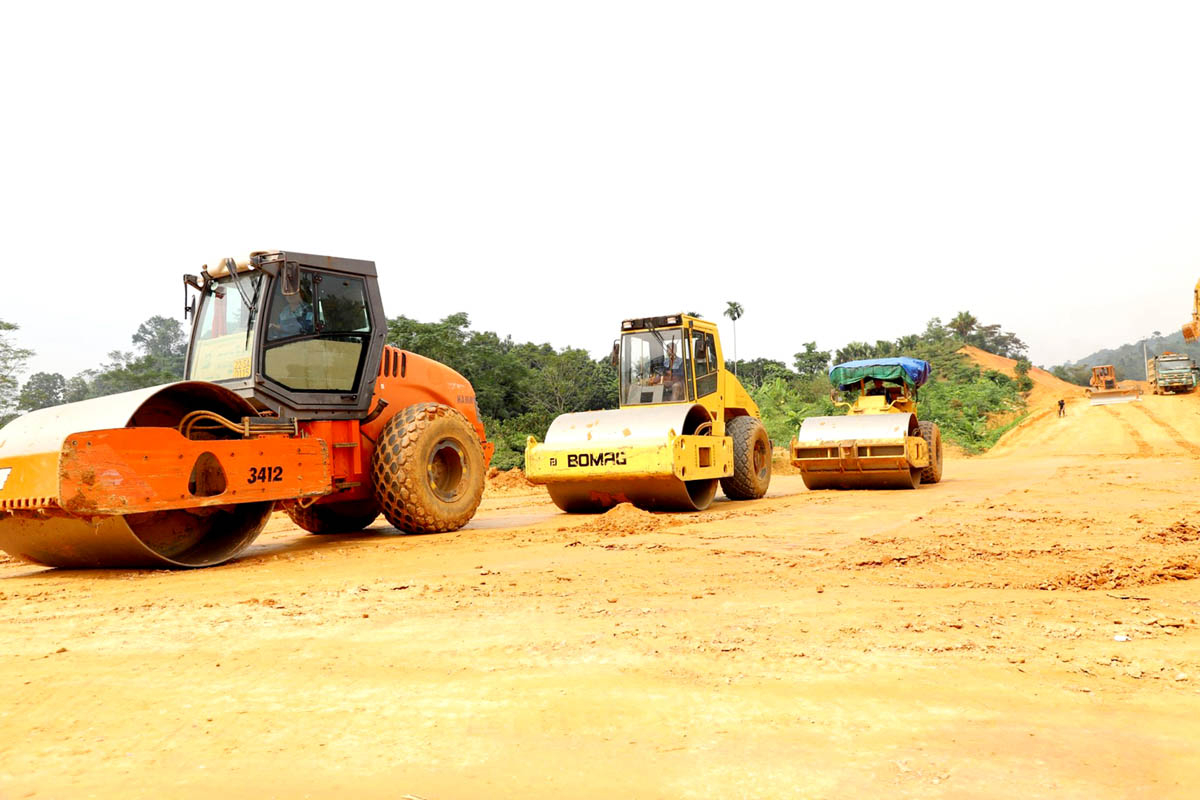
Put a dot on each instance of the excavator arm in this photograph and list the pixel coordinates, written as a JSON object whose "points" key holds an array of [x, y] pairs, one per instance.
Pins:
{"points": [[1191, 331]]}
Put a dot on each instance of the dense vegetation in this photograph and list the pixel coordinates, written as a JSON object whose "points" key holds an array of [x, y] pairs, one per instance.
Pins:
{"points": [[522, 387], [966, 401], [1127, 358]]}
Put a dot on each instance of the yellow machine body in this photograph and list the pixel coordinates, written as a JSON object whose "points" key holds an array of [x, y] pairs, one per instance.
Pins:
{"points": [[666, 447], [1191, 330], [878, 444], [1104, 388]]}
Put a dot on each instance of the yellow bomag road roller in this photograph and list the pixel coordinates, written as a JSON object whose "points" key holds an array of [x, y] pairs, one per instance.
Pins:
{"points": [[879, 444], [291, 396], [684, 425]]}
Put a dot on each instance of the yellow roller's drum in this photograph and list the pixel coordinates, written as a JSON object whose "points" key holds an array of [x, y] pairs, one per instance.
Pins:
{"points": [[868, 451], [658, 458], [39, 524]]}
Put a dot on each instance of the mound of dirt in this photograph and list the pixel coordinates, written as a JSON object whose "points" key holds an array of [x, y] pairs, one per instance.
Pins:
{"points": [[1116, 576], [1178, 533], [781, 462], [626, 518], [508, 479]]}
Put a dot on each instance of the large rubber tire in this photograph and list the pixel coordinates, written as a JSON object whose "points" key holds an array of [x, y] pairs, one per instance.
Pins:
{"points": [[428, 469], [751, 460], [933, 437], [331, 518]]}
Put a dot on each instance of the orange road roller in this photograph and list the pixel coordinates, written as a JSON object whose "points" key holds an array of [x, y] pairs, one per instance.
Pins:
{"points": [[291, 398]]}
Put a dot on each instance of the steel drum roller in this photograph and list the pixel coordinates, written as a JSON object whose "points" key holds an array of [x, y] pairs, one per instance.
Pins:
{"points": [[34, 526], [867, 451], [593, 460]]}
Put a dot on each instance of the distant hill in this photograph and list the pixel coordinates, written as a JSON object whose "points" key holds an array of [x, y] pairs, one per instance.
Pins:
{"points": [[1128, 358]]}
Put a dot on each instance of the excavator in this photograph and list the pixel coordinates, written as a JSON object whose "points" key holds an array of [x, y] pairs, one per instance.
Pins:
{"points": [[291, 398], [1191, 330], [684, 425], [879, 443]]}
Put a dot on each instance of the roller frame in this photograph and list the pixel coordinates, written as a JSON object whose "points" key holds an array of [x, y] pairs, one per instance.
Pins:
{"points": [[859, 452]]}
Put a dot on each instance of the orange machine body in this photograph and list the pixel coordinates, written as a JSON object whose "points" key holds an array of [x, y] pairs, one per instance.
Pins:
{"points": [[187, 474], [404, 379]]}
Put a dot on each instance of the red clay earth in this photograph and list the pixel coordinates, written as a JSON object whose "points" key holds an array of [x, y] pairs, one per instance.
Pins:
{"points": [[1026, 628]]}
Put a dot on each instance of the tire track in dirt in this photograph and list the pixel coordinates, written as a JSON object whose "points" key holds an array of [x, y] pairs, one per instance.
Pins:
{"points": [[1171, 431], [1143, 448]]}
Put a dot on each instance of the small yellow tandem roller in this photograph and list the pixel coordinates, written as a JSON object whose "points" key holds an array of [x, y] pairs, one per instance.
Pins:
{"points": [[879, 444], [685, 425]]}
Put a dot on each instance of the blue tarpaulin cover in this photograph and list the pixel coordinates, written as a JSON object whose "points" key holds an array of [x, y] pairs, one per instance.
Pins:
{"points": [[912, 371]]}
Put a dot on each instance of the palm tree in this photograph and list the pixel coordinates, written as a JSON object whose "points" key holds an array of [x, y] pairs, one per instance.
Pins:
{"points": [[734, 311], [963, 324]]}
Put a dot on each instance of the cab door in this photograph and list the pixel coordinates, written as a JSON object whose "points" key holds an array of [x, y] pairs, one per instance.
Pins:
{"points": [[320, 338]]}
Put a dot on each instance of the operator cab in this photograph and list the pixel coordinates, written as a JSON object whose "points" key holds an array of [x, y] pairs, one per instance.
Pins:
{"points": [[671, 359], [293, 333]]}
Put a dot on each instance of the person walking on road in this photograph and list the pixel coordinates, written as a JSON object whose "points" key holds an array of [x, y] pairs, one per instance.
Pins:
{"points": [[1062, 407]]}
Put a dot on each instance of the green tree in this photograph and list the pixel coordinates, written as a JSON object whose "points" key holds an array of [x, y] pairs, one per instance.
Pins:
{"points": [[161, 349], [568, 381], [811, 361], [163, 340], [758, 371], [12, 364], [854, 351], [963, 324], [734, 311], [42, 390]]}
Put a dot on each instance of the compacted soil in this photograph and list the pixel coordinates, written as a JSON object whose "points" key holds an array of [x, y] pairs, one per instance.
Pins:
{"points": [[1026, 628]]}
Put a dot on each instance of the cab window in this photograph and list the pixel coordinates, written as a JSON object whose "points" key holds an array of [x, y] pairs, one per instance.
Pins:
{"points": [[221, 349], [317, 337], [705, 347], [654, 367]]}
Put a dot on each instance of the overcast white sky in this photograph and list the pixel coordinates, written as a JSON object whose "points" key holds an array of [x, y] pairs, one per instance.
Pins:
{"points": [[844, 170]]}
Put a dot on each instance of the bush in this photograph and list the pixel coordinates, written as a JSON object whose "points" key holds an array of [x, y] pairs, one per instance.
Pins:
{"points": [[509, 436], [964, 409], [784, 404]]}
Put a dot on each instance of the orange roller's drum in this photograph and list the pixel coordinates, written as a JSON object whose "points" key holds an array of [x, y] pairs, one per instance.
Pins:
{"points": [[111, 483]]}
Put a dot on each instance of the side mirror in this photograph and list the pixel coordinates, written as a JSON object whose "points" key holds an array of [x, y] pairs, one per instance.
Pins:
{"points": [[615, 357], [189, 308], [291, 279]]}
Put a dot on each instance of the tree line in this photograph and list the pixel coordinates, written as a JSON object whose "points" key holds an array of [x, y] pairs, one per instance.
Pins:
{"points": [[522, 386], [972, 406]]}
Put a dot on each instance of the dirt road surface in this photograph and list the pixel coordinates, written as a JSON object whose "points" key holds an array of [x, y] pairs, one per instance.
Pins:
{"points": [[1027, 628]]}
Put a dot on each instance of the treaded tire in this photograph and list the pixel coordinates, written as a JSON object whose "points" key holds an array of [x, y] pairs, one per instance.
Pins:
{"points": [[428, 469], [330, 518], [933, 437], [751, 460]]}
